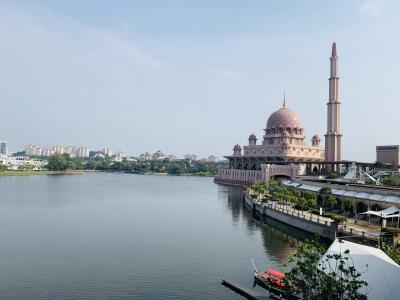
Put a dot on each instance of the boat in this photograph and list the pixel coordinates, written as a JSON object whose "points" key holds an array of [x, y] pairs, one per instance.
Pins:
{"points": [[273, 281]]}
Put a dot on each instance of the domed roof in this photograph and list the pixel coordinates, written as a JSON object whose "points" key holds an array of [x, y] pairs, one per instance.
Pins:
{"points": [[315, 137], [284, 118], [252, 137], [237, 146]]}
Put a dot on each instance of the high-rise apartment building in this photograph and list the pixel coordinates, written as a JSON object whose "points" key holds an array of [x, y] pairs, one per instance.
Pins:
{"points": [[3, 148], [107, 151]]}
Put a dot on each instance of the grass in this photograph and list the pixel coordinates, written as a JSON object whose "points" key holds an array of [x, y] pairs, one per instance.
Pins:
{"points": [[31, 172]]}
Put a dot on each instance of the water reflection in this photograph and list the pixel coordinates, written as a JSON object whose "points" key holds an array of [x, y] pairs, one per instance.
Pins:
{"points": [[279, 240]]}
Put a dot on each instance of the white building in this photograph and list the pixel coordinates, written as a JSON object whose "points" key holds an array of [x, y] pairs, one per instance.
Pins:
{"points": [[145, 156], [171, 157], [158, 155], [119, 156], [59, 149], [190, 157], [30, 149], [47, 152], [82, 152], [107, 152], [212, 158], [18, 162]]}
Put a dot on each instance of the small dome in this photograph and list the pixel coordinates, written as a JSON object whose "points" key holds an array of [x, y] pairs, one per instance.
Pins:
{"points": [[284, 118], [237, 147], [252, 137], [315, 138]]}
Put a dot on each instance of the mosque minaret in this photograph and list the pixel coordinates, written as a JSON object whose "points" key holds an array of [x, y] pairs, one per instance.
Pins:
{"points": [[283, 150], [333, 135]]}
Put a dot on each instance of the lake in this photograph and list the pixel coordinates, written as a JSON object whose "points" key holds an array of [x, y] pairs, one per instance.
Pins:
{"points": [[124, 236]]}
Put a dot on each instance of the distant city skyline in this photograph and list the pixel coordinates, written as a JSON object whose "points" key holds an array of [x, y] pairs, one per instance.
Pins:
{"points": [[84, 152], [194, 77]]}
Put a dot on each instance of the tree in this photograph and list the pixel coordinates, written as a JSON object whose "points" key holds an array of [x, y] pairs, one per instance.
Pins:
{"points": [[331, 201], [259, 186], [348, 205], [333, 277], [333, 175], [309, 195], [3, 168], [326, 190], [311, 202], [302, 203], [57, 162]]}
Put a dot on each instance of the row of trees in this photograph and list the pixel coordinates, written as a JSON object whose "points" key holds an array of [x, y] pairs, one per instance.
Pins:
{"points": [[62, 162], [276, 191], [302, 200]]}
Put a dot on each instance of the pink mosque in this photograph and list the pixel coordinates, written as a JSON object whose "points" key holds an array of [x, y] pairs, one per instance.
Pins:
{"points": [[283, 149]]}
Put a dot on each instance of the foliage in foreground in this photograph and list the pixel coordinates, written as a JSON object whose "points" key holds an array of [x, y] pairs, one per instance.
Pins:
{"points": [[393, 251], [333, 277]]}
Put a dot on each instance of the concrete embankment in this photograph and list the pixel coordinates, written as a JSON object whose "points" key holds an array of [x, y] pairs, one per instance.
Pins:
{"points": [[294, 218]]}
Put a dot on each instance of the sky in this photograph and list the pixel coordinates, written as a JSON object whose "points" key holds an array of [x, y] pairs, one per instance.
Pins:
{"points": [[194, 76]]}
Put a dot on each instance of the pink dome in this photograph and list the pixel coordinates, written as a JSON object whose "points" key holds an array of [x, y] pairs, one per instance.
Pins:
{"points": [[284, 118], [237, 147], [252, 137]]}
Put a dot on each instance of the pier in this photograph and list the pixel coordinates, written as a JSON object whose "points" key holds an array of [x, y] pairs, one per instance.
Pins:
{"points": [[245, 292]]}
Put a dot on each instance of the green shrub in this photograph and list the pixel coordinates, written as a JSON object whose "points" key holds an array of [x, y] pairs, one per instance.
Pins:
{"points": [[315, 211], [333, 175], [303, 208], [391, 180], [326, 190], [335, 217], [394, 231]]}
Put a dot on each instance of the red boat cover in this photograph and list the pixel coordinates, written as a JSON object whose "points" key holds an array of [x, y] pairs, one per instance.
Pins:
{"points": [[275, 273]]}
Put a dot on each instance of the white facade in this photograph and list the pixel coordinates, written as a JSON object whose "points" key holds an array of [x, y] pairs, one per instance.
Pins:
{"points": [[82, 152], [107, 151], [72, 151]]}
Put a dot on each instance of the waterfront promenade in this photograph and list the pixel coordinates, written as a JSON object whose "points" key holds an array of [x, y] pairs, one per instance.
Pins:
{"points": [[307, 221]]}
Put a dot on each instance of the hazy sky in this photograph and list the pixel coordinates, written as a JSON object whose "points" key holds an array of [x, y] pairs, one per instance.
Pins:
{"points": [[194, 76]]}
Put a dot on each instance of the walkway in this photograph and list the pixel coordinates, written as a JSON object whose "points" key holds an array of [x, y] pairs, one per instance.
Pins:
{"points": [[290, 210], [351, 227]]}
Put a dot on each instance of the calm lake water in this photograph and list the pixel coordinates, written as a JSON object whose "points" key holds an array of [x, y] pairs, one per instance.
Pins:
{"points": [[123, 236]]}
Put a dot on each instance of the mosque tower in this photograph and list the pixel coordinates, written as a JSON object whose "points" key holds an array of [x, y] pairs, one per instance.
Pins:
{"points": [[333, 135]]}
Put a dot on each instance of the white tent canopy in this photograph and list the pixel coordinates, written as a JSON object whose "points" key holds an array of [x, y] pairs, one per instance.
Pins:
{"points": [[391, 212], [380, 272]]}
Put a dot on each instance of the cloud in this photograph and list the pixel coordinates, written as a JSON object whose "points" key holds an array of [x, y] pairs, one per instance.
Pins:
{"points": [[373, 8]]}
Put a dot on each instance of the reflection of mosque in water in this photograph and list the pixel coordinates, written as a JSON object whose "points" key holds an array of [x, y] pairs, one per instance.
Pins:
{"points": [[280, 240]]}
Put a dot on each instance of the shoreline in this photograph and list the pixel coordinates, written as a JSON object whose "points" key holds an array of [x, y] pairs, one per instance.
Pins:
{"points": [[35, 173], [80, 172]]}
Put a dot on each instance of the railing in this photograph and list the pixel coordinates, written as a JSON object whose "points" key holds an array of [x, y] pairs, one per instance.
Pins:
{"points": [[296, 213], [345, 229]]}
